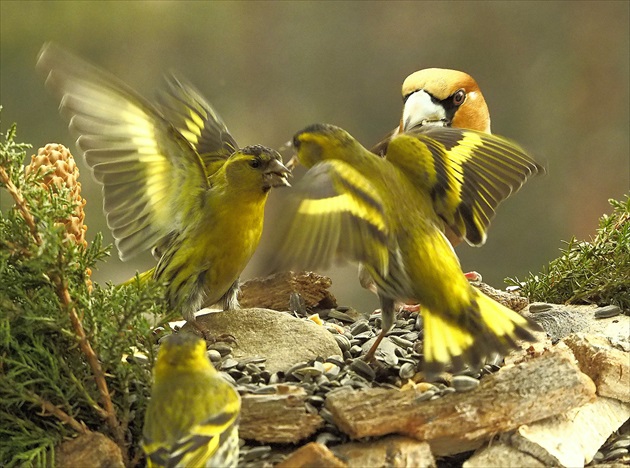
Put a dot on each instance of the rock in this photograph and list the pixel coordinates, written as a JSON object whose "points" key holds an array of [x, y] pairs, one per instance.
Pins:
{"points": [[283, 339], [608, 367], [89, 449], [572, 439], [541, 387], [280, 417], [274, 292], [312, 455], [392, 451], [501, 455]]}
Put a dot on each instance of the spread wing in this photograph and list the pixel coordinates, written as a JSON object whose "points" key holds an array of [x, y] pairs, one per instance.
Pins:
{"points": [[467, 173], [334, 214], [184, 107], [151, 175]]}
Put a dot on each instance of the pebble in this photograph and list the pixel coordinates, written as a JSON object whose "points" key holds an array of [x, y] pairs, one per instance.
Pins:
{"points": [[607, 312], [464, 383]]}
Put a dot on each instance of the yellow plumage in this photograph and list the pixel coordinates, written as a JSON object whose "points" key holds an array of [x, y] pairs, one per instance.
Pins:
{"points": [[389, 214], [174, 180], [192, 417]]}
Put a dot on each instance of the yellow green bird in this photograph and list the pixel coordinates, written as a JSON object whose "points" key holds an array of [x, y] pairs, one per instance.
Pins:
{"points": [[192, 416], [174, 180], [389, 214]]}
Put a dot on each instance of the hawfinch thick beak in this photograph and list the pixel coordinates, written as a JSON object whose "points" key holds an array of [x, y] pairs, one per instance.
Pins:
{"points": [[421, 110], [276, 175]]}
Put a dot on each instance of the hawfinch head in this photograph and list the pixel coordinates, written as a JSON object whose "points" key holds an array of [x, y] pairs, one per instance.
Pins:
{"points": [[437, 96]]}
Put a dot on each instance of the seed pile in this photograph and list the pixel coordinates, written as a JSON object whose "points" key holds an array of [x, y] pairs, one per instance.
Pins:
{"points": [[399, 363]]}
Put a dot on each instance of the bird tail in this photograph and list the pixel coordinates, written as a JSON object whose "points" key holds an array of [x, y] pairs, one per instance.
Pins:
{"points": [[484, 328]]}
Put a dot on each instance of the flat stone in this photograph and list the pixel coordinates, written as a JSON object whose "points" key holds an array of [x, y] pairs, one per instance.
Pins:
{"points": [[283, 339]]}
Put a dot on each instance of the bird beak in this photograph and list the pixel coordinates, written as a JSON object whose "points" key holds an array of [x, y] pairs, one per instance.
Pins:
{"points": [[420, 110], [276, 175]]}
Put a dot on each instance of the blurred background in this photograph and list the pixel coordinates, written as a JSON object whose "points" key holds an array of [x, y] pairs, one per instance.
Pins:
{"points": [[555, 76]]}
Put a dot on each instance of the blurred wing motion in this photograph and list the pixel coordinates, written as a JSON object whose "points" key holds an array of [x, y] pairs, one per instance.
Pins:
{"points": [[151, 174], [467, 173], [187, 110], [335, 214]]}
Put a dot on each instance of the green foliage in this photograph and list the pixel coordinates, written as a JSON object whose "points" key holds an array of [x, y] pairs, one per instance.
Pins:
{"points": [[596, 272], [48, 388]]}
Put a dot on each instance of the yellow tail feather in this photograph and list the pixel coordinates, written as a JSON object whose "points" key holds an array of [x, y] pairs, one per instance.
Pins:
{"points": [[463, 341]]}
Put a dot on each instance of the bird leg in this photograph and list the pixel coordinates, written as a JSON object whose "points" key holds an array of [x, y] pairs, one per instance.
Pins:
{"points": [[387, 322]]}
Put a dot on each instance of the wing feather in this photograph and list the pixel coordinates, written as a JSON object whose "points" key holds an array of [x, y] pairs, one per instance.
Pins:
{"points": [[150, 173], [467, 173], [335, 214]]}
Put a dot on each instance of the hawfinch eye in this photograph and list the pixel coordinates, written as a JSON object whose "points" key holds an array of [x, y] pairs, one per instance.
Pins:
{"points": [[459, 97]]}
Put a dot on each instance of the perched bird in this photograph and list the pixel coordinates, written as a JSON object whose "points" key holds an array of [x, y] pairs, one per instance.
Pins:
{"points": [[389, 214], [174, 180], [192, 416], [437, 97]]}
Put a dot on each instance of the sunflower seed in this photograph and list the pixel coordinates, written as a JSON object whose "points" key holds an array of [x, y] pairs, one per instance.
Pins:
{"points": [[343, 342], [363, 368], [623, 442], [326, 438], [327, 416], [266, 390], [407, 371], [607, 312], [359, 327], [228, 364], [257, 452], [336, 314], [425, 396], [214, 355], [222, 348], [464, 383], [537, 307], [617, 453]]}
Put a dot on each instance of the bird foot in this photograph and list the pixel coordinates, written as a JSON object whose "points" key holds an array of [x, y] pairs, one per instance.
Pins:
{"points": [[473, 276]]}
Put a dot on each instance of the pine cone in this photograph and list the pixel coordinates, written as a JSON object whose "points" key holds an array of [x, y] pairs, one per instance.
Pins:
{"points": [[65, 173]]}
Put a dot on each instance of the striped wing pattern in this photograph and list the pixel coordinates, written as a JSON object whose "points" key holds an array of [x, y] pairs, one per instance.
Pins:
{"points": [[212, 443], [469, 174], [197, 121], [148, 170], [335, 215]]}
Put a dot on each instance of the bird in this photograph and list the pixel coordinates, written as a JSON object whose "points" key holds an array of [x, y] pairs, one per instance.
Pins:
{"points": [[173, 178], [388, 213], [440, 97], [193, 413], [437, 97]]}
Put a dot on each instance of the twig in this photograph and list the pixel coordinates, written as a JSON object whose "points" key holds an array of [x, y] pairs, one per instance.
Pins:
{"points": [[21, 204], [60, 414], [108, 413]]}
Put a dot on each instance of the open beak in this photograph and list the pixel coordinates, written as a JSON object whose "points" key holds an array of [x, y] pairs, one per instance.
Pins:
{"points": [[276, 175]]}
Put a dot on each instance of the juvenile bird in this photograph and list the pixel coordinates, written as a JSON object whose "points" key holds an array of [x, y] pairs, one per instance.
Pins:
{"points": [[192, 417], [174, 180], [389, 214]]}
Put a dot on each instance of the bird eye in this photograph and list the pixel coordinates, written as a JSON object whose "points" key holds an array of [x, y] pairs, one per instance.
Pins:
{"points": [[255, 163], [458, 97]]}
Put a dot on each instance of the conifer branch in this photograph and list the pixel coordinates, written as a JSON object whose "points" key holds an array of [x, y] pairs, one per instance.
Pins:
{"points": [[49, 408], [21, 204]]}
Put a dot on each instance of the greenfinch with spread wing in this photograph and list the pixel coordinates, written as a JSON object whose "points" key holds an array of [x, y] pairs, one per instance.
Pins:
{"points": [[174, 180], [389, 214]]}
